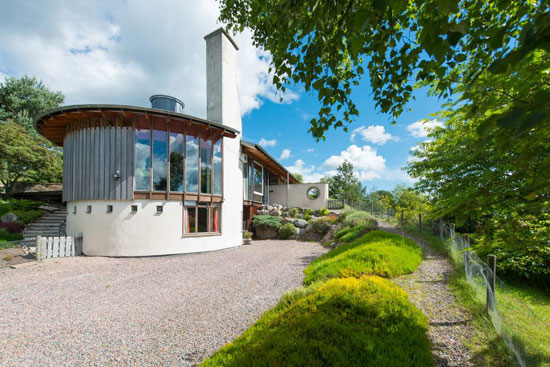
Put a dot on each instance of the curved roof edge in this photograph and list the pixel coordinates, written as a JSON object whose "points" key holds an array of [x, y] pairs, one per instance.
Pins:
{"points": [[122, 108]]}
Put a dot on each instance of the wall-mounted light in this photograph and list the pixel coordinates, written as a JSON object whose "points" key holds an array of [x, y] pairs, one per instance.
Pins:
{"points": [[116, 175]]}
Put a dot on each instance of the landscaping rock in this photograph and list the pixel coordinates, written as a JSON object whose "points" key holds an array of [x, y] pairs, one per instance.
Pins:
{"points": [[275, 213], [270, 208], [300, 223], [266, 232], [309, 227], [263, 212], [287, 220], [9, 217], [329, 237]]}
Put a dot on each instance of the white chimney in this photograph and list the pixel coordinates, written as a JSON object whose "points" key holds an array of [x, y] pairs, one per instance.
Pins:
{"points": [[222, 95]]}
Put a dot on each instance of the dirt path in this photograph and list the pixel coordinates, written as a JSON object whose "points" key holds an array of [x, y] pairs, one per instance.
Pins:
{"points": [[428, 289]]}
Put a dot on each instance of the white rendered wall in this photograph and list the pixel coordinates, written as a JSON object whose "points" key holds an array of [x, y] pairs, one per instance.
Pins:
{"points": [[145, 233], [297, 195]]}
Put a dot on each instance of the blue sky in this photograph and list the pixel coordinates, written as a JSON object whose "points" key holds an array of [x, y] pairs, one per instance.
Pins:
{"points": [[123, 51]]}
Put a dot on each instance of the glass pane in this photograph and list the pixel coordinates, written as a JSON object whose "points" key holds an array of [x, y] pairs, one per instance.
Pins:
{"points": [[192, 164], [143, 159], [190, 220], [206, 166], [160, 161], [176, 162], [258, 178], [215, 219], [202, 220], [218, 179]]}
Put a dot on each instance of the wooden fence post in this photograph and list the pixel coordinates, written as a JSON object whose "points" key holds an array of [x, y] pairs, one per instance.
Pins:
{"points": [[419, 222], [492, 264], [38, 248]]}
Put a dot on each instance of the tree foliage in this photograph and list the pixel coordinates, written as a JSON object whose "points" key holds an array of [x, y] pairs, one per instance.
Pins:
{"points": [[25, 158], [24, 154], [493, 179], [329, 46], [22, 99], [345, 184]]}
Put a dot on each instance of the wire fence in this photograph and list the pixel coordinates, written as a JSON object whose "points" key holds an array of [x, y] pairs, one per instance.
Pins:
{"points": [[485, 283]]}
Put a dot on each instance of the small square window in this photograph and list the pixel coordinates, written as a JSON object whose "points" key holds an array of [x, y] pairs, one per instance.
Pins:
{"points": [[134, 208], [74, 209], [159, 208], [109, 208], [89, 209]]}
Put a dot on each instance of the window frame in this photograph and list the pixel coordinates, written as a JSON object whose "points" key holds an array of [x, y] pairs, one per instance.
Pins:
{"points": [[254, 178], [209, 219]]}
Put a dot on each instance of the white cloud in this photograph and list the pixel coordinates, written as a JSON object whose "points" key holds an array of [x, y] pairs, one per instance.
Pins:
{"points": [[421, 128], [363, 159], [309, 173], [310, 150], [268, 143], [375, 134], [122, 52], [285, 154]]}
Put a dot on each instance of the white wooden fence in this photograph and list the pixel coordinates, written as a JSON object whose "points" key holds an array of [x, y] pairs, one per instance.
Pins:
{"points": [[53, 247]]}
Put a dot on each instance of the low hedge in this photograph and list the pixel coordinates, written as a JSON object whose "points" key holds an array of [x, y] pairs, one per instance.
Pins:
{"points": [[377, 252], [349, 234], [343, 322], [356, 218], [268, 221], [6, 236]]}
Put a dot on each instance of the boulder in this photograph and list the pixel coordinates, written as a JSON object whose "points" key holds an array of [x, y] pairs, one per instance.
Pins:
{"points": [[266, 232], [300, 223], [263, 212], [9, 217], [275, 213], [287, 220], [309, 227], [270, 208], [313, 236]]}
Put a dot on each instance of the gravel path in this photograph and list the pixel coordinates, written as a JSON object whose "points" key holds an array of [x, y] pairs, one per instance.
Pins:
{"points": [[428, 289], [156, 311]]}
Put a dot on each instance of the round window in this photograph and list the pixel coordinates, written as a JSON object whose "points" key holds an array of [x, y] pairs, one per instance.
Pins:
{"points": [[313, 193]]}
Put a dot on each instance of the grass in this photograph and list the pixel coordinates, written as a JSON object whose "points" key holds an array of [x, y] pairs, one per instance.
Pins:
{"points": [[7, 258], [377, 252], [343, 322], [349, 234], [524, 311]]}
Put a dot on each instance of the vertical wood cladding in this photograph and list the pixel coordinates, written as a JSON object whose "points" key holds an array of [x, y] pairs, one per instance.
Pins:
{"points": [[91, 156]]}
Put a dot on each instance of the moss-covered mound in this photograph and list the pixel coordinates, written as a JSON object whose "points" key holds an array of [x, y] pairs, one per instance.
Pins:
{"points": [[343, 322], [377, 253]]}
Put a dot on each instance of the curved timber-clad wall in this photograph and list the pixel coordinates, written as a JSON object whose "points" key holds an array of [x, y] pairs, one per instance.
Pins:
{"points": [[98, 164]]}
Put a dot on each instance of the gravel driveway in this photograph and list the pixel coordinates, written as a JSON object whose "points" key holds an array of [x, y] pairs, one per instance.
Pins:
{"points": [[169, 311]]}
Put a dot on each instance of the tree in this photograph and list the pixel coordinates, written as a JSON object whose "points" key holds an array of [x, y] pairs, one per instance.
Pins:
{"points": [[329, 46], [22, 99], [345, 184], [25, 158], [24, 154], [299, 177]]}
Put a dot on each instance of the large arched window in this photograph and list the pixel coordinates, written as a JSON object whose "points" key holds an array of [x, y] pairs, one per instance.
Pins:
{"points": [[176, 160]]}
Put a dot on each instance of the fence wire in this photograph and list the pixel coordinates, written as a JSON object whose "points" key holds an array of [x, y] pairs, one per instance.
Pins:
{"points": [[478, 274]]}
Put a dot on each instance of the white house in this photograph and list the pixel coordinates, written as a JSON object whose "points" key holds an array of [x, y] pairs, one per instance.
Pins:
{"points": [[152, 181]]}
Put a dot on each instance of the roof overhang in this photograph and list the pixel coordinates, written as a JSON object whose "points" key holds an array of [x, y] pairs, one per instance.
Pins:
{"points": [[52, 124], [259, 154]]}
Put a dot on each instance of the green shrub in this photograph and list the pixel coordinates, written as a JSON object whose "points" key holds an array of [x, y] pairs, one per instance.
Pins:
{"points": [[345, 213], [286, 231], [267, 221], [356, 218], [247, 235], [293, 212], [6, 236], [349, 234], [28, 215], [344, 322], [22, 205], [307, 216], [322, 225], [324, 212], [377, 252]]}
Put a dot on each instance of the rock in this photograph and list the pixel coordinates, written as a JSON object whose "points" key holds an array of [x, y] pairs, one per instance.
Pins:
{"points": [[287, 220], [263, 212], [300, 223], [266, 232], [309, 227], [284, 215], [313, 236], [329, 236], [9, 217], [270, 208], [275, 213], [302, 231]]}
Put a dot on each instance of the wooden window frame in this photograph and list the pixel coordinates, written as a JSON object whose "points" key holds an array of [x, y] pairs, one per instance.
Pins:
{"points": [[209, 224], [254, 178]]}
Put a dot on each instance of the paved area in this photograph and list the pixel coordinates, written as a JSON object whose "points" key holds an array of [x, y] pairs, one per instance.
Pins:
{"points": [[429, 290], [159, 311]]}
